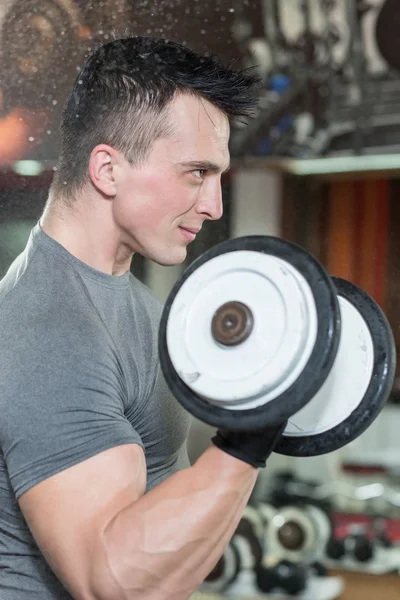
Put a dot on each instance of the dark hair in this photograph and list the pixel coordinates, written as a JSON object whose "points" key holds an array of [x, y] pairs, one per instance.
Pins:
{"points": [[121, 96]]}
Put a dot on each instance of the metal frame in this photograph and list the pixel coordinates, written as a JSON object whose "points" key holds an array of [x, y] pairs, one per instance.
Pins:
{"points": [[352, 106]]}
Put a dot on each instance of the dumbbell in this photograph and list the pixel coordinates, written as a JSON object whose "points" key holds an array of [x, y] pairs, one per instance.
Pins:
{"points": [[357, 547], [336, 549], [363, 548], [295, 539], [243, 553], [386, 32], [249, 538], [284, 576], [267, 512], [298, 533], [225, 571], [256, 333]]}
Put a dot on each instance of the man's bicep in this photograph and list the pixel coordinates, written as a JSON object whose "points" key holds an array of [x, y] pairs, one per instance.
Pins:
{"points": [[56, 414], [68, 512]]}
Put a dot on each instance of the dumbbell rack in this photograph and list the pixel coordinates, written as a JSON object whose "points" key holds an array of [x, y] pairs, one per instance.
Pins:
{"points": [[353, 104], [318, 588], [385, 559], [366, 513], [201, 596]]}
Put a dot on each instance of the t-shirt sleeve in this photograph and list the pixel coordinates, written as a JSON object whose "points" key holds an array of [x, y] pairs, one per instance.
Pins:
{"points": [[61, 402]]}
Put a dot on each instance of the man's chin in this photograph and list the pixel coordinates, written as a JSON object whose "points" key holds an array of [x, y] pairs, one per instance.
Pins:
{"points": [[171, 259]]}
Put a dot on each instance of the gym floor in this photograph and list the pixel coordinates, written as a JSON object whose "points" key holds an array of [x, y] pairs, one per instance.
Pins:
{"points": [[357, 585], [369, 587]]}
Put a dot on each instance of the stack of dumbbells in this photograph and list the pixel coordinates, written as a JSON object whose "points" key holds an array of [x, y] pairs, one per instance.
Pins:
{"points": [[285, 545], [279, 548], [364, 540]]}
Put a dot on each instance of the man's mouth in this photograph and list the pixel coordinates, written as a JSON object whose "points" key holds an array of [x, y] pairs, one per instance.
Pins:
{"points": [[189, 233]]}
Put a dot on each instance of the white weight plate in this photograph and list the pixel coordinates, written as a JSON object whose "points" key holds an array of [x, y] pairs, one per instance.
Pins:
{"points": [[291, 514], [323, 528], [267, 512], [270, 360], [367, 329], [346, 384], [229, 568], [243, 546], [254, 517]]}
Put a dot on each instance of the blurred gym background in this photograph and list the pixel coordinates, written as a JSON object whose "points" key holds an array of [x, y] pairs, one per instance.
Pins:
{"points": [[319, 165]]}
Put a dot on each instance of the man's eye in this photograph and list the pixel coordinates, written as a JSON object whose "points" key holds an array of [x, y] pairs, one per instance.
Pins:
{"points": [[199, 173]]}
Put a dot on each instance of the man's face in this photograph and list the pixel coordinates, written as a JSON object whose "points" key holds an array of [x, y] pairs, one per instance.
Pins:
{"points": [[162, 203]]}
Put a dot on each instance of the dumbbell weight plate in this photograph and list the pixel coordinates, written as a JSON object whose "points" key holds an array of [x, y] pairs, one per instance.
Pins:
{"points": [[249, 333], [224, 573], [299, 533], [267, 512], [386, 32], [248, 538], [284, 578], [291, 535], [358, 385]]}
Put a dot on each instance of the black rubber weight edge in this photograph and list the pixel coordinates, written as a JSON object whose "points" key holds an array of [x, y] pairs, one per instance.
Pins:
{"points": [[220, 585], [317, 368], [378, 391]]}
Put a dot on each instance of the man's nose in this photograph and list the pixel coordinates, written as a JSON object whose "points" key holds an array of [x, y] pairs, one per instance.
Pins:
{"points": [[210, 204]]}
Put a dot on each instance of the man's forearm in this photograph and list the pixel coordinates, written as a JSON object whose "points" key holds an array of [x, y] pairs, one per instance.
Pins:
{"points": [[162, 546]]}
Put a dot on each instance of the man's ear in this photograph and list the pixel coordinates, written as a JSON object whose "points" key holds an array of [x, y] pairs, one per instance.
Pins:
{"points": [[102, 169]]}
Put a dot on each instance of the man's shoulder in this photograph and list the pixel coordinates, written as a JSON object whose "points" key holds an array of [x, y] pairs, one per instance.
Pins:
{"points": [[38, 305], [146, 299]]}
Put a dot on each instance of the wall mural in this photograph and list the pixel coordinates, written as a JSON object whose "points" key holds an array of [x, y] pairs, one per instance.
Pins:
{"points": [[43, 43]]}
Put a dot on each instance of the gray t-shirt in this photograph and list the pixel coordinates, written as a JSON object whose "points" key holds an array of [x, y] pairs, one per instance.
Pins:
{"points": [[79, 374]]}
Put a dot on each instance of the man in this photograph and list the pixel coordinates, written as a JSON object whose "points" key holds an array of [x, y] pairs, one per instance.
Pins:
{"points": [[97, 498]]}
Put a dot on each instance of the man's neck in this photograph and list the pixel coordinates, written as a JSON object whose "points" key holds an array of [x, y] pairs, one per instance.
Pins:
{"points": [[88, 234]]}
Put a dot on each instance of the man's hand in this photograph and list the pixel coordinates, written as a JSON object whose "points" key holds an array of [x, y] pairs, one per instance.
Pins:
{"points": [[253, 447]]}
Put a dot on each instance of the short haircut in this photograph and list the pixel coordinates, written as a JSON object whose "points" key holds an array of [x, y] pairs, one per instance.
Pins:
{"points": [[121, 97]]}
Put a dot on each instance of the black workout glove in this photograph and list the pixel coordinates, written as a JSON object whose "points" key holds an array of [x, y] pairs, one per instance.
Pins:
{"points": [[253, 447]]}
